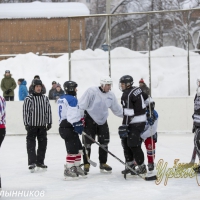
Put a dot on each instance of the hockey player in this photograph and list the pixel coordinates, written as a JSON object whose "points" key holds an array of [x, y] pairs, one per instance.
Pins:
{"points": [[134, 120], [95, 102], [70, 126], [149, 136], [37, 120], [196, 123]]}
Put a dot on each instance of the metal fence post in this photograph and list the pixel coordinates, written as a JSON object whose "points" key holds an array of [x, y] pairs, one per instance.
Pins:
{"points": [[109, 46], [149, 56], [69, 47], [188, 55]]}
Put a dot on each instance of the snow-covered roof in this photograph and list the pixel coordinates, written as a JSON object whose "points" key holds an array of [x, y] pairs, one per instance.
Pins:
{"points": [[42, 10]]}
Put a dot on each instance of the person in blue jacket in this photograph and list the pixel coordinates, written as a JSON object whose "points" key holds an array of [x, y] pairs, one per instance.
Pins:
{"points": [[23, 91]]}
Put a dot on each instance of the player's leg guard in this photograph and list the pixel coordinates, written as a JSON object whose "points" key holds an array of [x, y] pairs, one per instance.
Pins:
{"points": [[77, 163], [150, 152]]}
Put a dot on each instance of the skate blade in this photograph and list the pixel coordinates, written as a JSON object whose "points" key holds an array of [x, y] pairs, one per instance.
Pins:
{"points": [[32, 170], [84, 177], [39, 169], [103, 171], [68, 178]]}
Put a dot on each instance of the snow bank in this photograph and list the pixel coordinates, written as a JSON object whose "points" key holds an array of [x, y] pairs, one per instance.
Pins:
{"points": [[168, 64], [42, 10]]}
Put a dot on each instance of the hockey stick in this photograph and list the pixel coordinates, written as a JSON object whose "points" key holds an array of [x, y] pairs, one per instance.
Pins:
{"points": [[144, 178], [151, 129], [86, 153]]}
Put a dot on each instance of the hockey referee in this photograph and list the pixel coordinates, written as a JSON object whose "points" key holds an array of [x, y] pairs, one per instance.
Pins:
{"points": [[37, 120]]}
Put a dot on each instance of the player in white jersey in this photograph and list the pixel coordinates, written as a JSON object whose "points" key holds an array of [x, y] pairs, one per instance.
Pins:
{"points": [[70, 127], [196, 123], [94, 106]]}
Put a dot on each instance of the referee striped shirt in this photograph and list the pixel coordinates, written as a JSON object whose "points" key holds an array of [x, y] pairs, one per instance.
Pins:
{"points": [[37, 110]]}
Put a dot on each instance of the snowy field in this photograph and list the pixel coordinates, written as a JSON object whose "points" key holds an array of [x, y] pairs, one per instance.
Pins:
{"points": [[98, 186]]}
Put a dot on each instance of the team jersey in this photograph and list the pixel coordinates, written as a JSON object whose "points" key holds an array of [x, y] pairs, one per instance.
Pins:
{"points": [[196, 116], [134, 108], [37, 110], [97, 102], [68, 109], [150, 130]]}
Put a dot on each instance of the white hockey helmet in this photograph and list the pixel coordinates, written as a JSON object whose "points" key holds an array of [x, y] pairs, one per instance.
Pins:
{"points": [[106, 80]]}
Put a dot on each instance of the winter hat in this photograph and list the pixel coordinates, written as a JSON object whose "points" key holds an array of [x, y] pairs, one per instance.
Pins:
{"points": [[21, 80], [54, 82], [36, 76], [141, 80], [58, 85], [7, 71]]}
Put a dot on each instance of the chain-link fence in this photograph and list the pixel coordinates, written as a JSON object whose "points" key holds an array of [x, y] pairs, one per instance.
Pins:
{"points": [[140, 44]]}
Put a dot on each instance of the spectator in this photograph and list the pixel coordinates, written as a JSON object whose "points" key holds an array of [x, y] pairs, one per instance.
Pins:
{"points": [[23, 91], [31, 88], [58, 92], [8, 85], [52, 90], [144, 87]]}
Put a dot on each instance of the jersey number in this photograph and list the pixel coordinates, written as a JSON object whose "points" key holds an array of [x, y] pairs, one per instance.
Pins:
{"points": [[60, 110]]}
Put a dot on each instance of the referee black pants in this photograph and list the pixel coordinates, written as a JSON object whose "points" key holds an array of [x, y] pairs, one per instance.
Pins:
{"points": [[2, 135], [41, 134]]}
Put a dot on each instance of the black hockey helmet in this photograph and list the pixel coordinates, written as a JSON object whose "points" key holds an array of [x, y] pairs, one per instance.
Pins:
{"points": [[127, 79], [36, 82], [70, 86]]}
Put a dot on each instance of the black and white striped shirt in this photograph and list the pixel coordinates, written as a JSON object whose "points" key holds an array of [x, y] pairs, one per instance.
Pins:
{"points": [[37, 110]]}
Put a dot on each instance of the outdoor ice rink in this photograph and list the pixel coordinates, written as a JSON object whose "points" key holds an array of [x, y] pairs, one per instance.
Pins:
{"points": [[16, 177]]}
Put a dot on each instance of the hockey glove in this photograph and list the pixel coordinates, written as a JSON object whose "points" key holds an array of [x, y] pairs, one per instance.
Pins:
{"points": [[123, 131], [151, 120], [48, 127], [78, 127], [28, 128]]}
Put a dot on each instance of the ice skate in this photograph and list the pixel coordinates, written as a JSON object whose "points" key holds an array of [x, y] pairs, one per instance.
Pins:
{"points": [[128, 171], [104, 168], [80, 172], [70, 173], [141, 169], [197, 169], [87, 167], [32, 168], [150, 167], [41, 167]]}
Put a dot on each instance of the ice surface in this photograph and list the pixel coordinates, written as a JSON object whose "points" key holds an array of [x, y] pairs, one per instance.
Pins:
{"points": [[98, 186]]}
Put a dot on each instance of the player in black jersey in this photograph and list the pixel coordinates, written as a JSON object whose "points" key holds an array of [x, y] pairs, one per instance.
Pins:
{"points": [[134, 119]]}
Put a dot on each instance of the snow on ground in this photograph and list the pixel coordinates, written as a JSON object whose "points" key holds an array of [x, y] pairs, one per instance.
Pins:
{"points": [[168, 64], [98, 186], [38, 9]]}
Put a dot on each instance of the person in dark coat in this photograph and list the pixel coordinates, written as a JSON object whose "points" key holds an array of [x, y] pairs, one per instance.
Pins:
{"points": [[58, 92], [23, 91], [31, 88], [144, 87], [52, 90], [8, 85]]}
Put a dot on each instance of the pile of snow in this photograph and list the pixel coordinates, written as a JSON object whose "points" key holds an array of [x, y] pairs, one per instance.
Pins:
{"points": [[168, 65], [42, 10]]}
